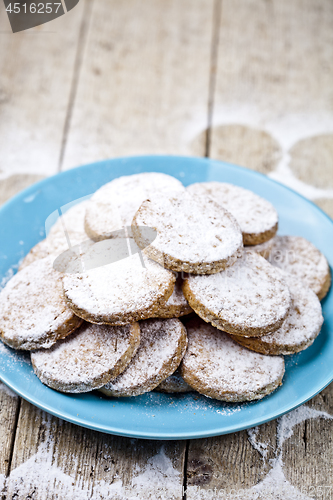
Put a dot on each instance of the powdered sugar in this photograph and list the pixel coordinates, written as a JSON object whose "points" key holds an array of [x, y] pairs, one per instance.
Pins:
{"points": [[33, 313], [114, 204], [193, 233], [67, 232], [254, 214], [88, 358], [119, 292], [303, 322], [161, 349], [218, 367], [301, 258], [249, 295]]}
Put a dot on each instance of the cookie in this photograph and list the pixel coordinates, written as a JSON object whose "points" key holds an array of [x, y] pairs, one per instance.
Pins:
{"points": [[120, 292], [176, 306], [250, 298], [174, 384], [194, 234], [300, 328], [33, 312], [263, 249], [299, 257], [113, 206], [216, 366], [88, 358], [162, 346], [66, 232], [256, 216]]}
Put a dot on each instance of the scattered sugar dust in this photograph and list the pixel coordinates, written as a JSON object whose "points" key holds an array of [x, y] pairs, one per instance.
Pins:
{"points": [[274, 486], [39, 474], [6, 390]]}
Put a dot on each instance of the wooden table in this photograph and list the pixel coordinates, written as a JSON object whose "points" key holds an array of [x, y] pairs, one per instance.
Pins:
{"points": [[241, 80]]}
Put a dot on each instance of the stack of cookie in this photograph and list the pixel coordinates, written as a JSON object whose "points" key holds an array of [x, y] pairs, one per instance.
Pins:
{"points": [[145, 251]]}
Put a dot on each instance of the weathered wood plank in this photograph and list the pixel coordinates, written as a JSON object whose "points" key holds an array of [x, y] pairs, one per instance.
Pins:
{"points": [[226, 464], [9, 407], [54, 459], [16, 183], [144, 83], [36, 69], [308, 454], [273, 83]]}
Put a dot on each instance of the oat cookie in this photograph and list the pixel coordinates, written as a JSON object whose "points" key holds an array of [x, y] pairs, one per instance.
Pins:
{"points": [[250, 298], [123, 291], [300, 328], [176, 306], [299, 257], [113, 205], [174, 384], [162, 346], [194, 234], [218, 367], [70, 225], [33, 312], [263, 249], [256, 216], [87, 359]]}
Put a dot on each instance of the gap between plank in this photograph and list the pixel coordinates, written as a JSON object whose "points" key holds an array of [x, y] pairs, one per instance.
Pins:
{"points": [[12, 444], [217, 11], [185, 470], [76, 73]]}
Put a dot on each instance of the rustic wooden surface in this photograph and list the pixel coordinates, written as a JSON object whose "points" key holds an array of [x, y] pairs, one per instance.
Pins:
{"points": [[245, 81]]}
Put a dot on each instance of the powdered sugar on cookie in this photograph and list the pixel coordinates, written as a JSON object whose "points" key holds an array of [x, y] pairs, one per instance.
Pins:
{"points": [[88, 358], [33, 312], [113, 206], [299, 257], [162, 346], [194, 234], [299, 329], [218, 367], [120, 292], [256, 216], [250, 298]]}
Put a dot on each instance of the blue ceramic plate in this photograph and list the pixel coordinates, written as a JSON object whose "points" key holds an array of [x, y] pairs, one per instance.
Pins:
{"points": [[154, 415]]}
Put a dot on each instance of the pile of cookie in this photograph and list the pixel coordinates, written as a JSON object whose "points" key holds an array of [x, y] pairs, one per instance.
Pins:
{"points": [[98, 301]]}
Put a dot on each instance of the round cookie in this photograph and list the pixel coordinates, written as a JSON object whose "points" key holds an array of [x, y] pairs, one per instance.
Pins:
{"points": [[87, 359], [120, 292], [33, 312], [113, 206], [257, 218], [70, 225], [300, 328], [176, 306], [216, 366], [263, 249], [250, 298], [174, 384], [299, 257], [194, 234], [162, 346]]}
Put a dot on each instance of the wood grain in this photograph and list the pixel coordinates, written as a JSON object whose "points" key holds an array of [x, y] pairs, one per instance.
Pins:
{"points": [[144, 82], [274, 76], [54, 459], [9, 406], [36, 69], [228, 463], [13, 184]]}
